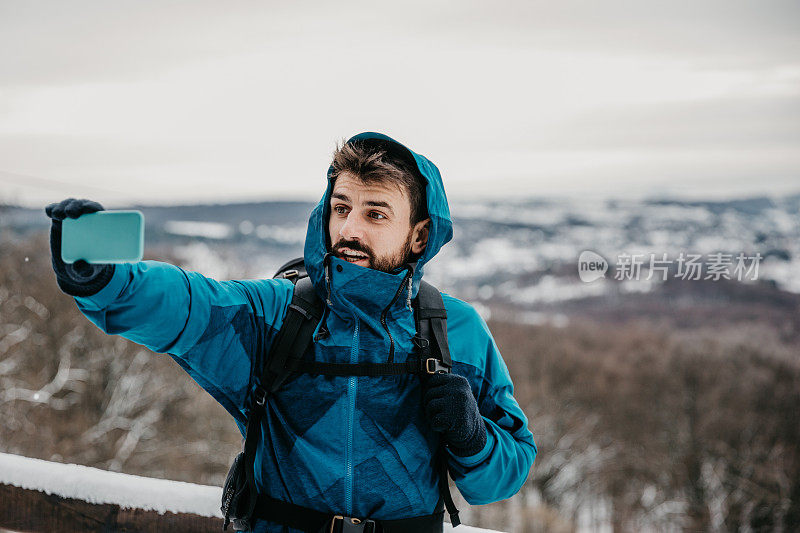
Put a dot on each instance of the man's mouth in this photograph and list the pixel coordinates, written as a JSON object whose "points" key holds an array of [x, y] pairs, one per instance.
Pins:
{"points": [[352, 256]]}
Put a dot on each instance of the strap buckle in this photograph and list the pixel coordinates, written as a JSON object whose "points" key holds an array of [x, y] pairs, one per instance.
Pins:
{"points": [[352, 525], [260, 396], [434, 366], [289, 274], [420, 342]]}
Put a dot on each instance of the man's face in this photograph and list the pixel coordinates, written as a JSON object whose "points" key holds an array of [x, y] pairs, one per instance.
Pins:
{"points": [[370, 224]]}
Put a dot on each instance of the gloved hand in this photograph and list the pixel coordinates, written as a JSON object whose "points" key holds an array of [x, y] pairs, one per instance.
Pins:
{"points": [[452, 410], [80, 278]]}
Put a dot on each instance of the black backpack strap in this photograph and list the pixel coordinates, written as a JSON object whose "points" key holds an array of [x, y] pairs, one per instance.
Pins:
{"points": [[301, 319], [294, 337], [444, 488], [431, 340], [431, 318]]}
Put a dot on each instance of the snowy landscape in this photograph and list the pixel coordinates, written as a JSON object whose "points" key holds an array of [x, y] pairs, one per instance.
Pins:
{"points": [[659, 402], [520, 254], [624, 184]]}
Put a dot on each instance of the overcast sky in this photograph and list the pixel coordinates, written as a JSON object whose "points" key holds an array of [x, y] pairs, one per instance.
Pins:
{"points": [[164, 102]]}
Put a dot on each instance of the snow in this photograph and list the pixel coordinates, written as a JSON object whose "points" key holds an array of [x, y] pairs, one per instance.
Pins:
{"points": [[191, 228], [101, 487], [281, 234], [246, 227], [200, 257], [784, 273], [492, 255], [553, 289], [129, 492]]}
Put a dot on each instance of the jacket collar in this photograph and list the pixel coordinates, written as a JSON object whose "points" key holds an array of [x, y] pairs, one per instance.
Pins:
{"points": [[351, 287]]}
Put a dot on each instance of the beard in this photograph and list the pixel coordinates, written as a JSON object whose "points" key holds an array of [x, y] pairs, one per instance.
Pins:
{"points": [[387, 263]]}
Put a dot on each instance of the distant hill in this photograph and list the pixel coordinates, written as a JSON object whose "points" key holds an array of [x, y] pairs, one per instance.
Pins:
{"points": [[507, 256]]}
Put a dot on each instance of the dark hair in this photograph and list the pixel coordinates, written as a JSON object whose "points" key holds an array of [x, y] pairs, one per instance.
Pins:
{"points": [[381, 161]]}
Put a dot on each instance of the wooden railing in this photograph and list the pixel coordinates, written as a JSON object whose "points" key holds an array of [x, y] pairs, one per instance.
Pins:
{"points": [[39, 495], [31, 510]]}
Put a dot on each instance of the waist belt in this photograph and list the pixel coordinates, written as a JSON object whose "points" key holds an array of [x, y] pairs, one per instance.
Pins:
{"points": [[313, 521]]}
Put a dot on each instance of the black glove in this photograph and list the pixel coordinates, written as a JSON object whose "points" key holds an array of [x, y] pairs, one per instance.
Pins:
{"points": [[80, 278], [452, 410]]}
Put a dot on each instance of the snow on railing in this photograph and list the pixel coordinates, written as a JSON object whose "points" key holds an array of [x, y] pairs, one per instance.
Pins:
{"points": [[186, 506]]}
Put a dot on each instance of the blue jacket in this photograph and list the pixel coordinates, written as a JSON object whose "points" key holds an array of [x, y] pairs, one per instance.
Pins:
{"points": [[357, 446]]}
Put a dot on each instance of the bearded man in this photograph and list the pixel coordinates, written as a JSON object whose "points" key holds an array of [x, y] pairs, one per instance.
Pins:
{"points": [[362, 448]]}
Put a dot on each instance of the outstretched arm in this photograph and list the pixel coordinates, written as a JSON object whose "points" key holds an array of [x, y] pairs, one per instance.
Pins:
{"points": [[218, 331]]}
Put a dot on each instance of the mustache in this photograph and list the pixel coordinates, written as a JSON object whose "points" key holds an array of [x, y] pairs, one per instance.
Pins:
{"points": [[353, 245]]}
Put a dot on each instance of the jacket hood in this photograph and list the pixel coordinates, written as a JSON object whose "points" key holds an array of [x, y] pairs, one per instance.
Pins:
{"points": [[316, 244]]}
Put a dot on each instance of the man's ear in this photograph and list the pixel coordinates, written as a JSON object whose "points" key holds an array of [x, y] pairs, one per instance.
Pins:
{"points": [[419, 238]]}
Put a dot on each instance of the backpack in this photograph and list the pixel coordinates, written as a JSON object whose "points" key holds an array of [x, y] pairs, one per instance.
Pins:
{"points": [[240, 501]]}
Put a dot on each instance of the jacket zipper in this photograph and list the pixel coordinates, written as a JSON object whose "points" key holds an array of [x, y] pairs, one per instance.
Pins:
{"points": [[386, 311], [351, 389]]}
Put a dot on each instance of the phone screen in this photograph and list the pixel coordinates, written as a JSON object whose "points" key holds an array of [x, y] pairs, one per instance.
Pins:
{"points": [[103, 237]]}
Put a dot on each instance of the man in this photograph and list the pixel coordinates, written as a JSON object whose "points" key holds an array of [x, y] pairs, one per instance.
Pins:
{"points": [[353, 446]]}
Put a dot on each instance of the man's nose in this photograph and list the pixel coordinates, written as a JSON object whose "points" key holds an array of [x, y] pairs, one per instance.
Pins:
{"points": [[352, 229]]}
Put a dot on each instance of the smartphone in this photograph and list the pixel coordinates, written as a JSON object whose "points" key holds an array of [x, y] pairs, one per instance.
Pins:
{"points": [[103, 237]]}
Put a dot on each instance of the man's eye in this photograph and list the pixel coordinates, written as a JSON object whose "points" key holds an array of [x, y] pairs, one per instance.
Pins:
{"points": [[340, 209], [377, 216]]}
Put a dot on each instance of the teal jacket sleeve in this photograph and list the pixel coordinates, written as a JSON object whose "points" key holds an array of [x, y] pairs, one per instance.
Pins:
{"points": [[500, 469], [218, 331]]}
